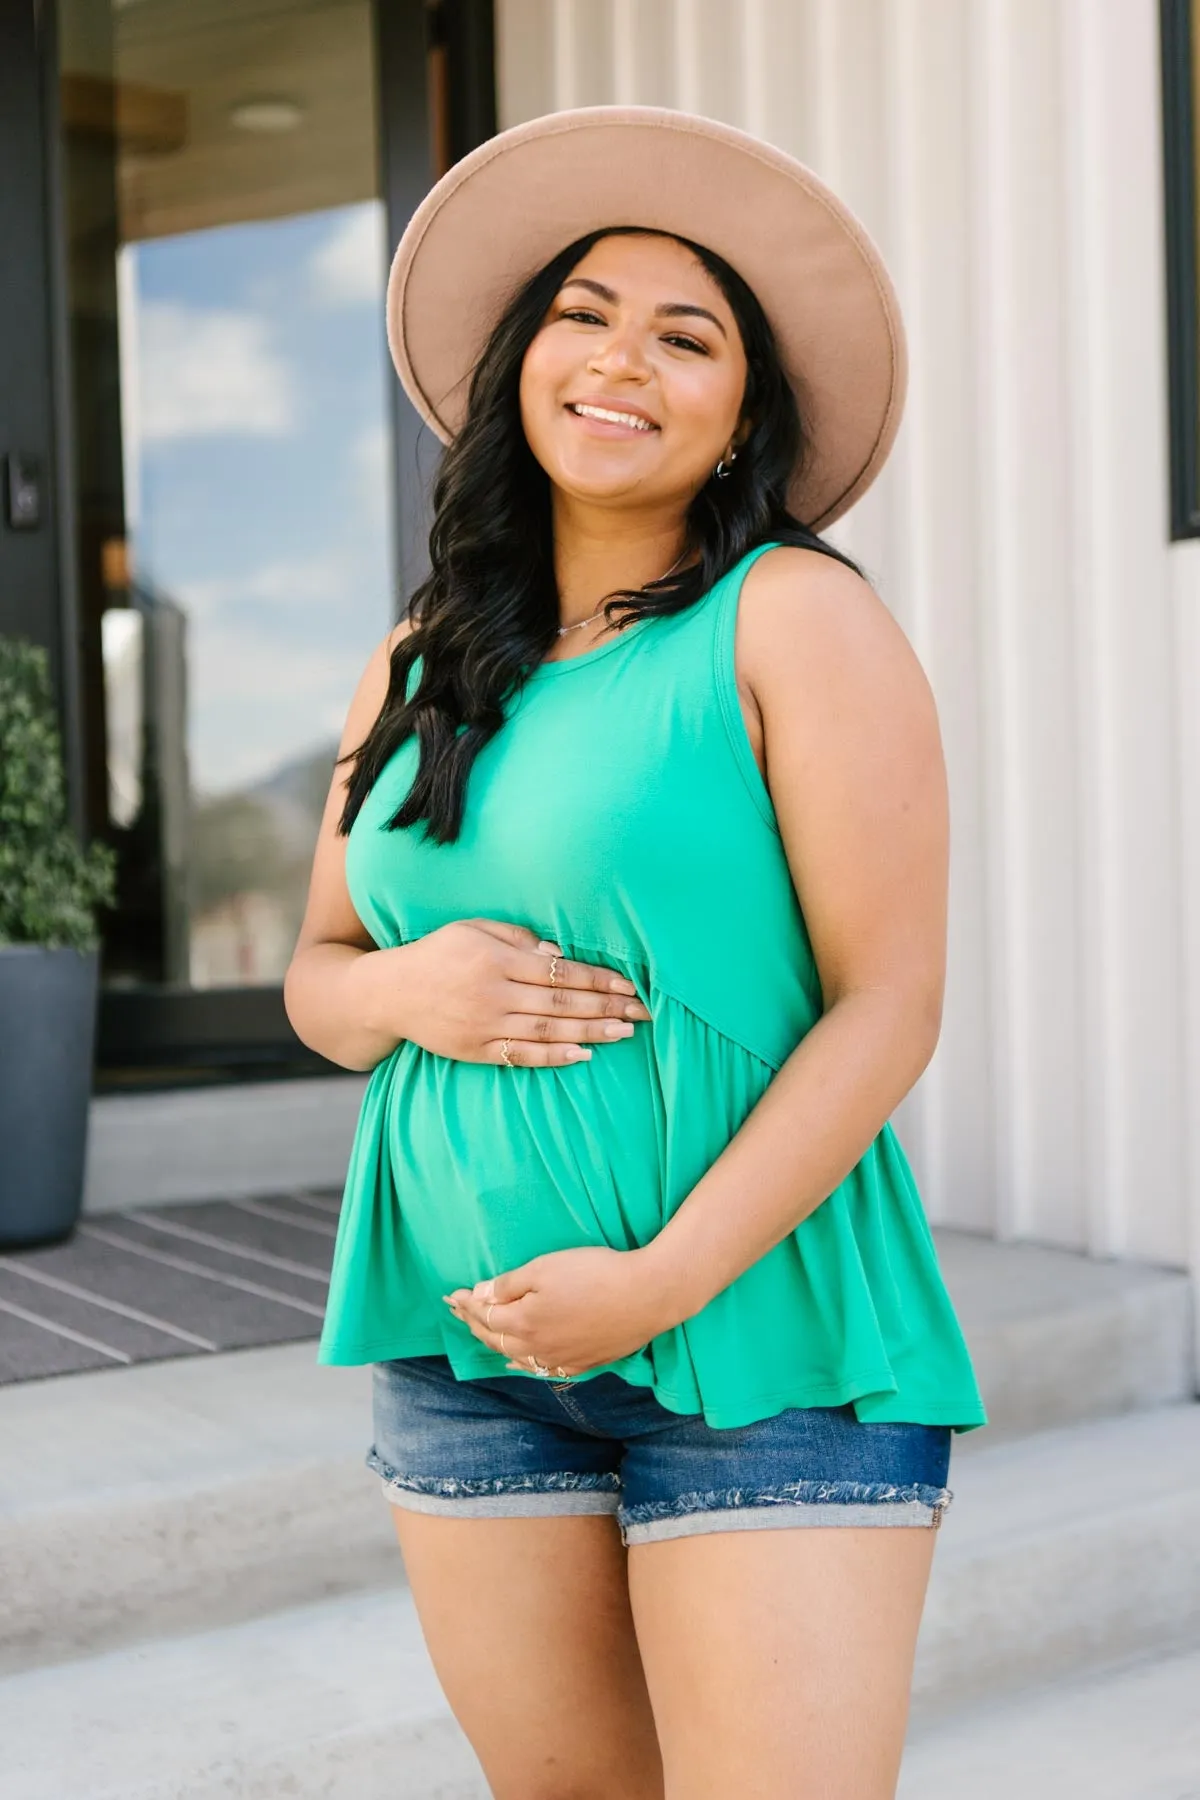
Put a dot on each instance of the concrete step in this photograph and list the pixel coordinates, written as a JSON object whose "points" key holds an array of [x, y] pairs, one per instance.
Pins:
{"points": [[337, 1701], [1129, 1733], [1063, 1551], [1057, 1337], [224, 1142], [345, 1702], [177, 1495], [172, 1496], [1061, 1554]]}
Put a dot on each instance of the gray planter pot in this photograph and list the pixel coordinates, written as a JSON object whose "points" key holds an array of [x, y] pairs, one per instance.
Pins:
{"points": [[47, 1042]]}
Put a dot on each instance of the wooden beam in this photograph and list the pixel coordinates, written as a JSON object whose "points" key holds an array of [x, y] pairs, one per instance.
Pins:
{"points": [[139, 117]]}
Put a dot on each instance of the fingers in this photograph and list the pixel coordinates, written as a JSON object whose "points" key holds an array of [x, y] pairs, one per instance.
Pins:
{"points": [[568, 1006], [474, 1314], [552, 1020], [525, 1054], [539, 1027], [578, 990], [540, 1037], [487, 1316], [588, 978], [532, 964]]}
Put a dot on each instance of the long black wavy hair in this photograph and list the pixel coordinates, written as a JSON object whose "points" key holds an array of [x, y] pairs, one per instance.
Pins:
{"points": [[488, 611]]}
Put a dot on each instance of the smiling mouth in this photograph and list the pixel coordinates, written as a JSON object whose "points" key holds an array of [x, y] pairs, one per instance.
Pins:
{"points": [[610, 416]]}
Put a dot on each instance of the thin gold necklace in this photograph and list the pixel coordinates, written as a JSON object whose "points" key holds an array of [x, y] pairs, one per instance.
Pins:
{"points": [[563, 629]]}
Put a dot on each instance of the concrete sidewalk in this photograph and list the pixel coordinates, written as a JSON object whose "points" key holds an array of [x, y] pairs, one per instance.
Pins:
{"points": [[201, 1579], [1132, 1733]]}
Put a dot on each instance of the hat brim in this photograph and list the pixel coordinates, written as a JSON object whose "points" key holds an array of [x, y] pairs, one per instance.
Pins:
{"points": [[505, 210]]}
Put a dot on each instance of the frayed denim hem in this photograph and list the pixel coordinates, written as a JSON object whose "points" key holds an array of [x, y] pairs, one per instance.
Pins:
{"points": [[453, 1487], [919, 1495], [500, 1496]]}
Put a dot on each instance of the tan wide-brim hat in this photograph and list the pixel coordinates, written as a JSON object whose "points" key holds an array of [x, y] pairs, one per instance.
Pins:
{"points": [[505, 210]]}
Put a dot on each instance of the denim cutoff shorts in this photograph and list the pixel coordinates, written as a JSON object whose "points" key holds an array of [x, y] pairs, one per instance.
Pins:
{"points": [[509, 1446]]}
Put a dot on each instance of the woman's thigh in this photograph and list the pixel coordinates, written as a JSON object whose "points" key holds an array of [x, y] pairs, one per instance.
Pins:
{"points": [[505, 1511], [778, 1573], [779, 1661], [529, 1628]]}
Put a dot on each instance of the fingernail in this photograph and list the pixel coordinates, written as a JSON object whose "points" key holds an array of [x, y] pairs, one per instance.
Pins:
{"points": [[485, 1290], [549, 948]]}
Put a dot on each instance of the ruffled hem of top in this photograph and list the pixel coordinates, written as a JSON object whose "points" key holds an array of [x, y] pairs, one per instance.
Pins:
{"points": [[849, 1308]]}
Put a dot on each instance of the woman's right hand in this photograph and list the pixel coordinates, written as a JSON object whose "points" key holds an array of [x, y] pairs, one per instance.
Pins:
{"points": [[474, 982]]}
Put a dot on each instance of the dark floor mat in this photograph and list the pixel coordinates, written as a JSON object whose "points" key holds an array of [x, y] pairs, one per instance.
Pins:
{"points": [[164, 1281]]}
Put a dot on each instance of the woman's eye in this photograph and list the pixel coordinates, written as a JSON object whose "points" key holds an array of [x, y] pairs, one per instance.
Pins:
{"points": [[585, 316]]}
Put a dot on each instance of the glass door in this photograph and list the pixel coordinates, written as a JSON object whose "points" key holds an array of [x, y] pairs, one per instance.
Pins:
{"points": [[226, 260]]}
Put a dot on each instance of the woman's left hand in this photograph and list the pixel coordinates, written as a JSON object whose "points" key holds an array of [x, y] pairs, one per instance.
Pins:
{"points": [[571, 1309]]}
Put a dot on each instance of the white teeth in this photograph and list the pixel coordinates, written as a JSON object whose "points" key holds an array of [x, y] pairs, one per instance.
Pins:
{"points": [[613, 418]]}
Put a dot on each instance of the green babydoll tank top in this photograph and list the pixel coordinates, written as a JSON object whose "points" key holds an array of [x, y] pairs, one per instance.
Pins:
{"points": [[620, 813]]}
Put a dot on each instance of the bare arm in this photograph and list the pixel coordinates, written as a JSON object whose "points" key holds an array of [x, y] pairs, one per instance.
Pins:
{"points": [[333, 983], [857, 778]]}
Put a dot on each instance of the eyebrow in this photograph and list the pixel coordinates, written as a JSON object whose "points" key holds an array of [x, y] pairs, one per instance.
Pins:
{"points": [[673, 309]]}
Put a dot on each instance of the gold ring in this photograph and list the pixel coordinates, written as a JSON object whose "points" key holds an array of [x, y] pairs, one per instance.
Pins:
{"points": [[504, 1056], [487, 1317], [553, 963], [503, 1351]]}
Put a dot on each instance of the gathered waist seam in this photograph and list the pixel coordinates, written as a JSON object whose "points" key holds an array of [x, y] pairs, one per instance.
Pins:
{"points": [[771, 1062]]}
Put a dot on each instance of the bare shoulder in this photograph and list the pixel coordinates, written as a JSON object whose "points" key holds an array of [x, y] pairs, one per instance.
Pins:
{"points": [[367, 702], [807, 622], [402, 630]]}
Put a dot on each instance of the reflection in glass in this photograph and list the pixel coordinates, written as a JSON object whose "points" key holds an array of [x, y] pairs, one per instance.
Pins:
{"points": [[227, 259], [122, 647]]}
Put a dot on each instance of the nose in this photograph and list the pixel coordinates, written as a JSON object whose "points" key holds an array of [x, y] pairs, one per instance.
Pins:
{"points": [[620, 356]]}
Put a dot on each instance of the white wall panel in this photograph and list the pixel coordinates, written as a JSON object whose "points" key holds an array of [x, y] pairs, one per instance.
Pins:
{"points": [[1023, 556], [1129, 752], [1005, 156], [927, 572], [1185, 570]]}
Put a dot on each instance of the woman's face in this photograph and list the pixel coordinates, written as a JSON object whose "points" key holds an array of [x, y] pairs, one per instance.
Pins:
{"points": [[640, 331]]}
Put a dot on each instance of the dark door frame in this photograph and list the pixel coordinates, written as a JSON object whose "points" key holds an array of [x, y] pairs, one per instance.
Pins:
{"points": [[152, 1035], [1183, 290], [36, 558], [455, 47]]}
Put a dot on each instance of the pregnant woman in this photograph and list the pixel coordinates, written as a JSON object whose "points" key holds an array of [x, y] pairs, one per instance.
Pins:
{"points": [[630, 892]]}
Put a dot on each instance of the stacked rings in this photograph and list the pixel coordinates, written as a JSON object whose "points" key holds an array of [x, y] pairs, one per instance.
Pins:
{"points": [[539, 1368], [505, 1058]]}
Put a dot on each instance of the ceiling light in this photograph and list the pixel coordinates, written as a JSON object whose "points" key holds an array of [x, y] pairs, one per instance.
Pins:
{"points": [[266, 115]]}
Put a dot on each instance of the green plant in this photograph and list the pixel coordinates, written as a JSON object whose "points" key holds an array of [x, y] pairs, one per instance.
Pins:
{"points": [[49, 886]]}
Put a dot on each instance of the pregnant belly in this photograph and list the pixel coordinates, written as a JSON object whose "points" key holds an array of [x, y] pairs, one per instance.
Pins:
{"points": [[493, 1166]]}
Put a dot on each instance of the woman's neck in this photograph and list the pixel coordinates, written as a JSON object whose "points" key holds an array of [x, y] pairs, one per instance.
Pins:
{"points": [[594, 556]]}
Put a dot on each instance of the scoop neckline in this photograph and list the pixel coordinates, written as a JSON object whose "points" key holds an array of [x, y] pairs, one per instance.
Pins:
{"points": [[563, 664], [543, 670]]}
